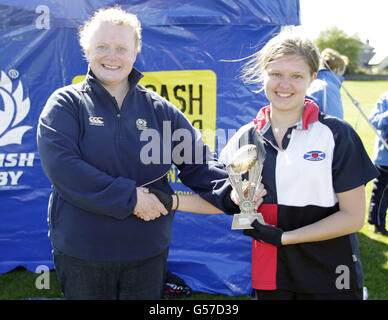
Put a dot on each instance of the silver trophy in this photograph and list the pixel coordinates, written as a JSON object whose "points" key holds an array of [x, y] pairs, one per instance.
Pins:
{"points": [[246, 160]]}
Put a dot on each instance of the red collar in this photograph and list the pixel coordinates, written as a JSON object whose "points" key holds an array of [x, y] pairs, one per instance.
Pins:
{"points": [[310, 114]]}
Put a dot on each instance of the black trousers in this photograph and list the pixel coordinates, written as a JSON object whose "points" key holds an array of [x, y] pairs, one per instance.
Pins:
{"points": [[111, 280]]}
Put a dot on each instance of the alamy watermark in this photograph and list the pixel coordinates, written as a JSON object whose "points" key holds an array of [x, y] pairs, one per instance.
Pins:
{"points": [[181, 145], [43, 280], [343, 280]]}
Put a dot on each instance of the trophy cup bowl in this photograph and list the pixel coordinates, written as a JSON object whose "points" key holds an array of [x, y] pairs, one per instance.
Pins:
{"points": [[245, 160]]}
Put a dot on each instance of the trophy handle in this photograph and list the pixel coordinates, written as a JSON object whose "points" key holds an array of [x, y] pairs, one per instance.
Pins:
{"points": [[254, 179], [235, 181]]}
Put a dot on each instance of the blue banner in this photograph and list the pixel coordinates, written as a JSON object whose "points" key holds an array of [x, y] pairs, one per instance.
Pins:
{"points": [[191, 55]]}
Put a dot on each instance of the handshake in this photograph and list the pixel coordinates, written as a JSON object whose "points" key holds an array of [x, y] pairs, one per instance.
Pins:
{"points": [[152, 203]]}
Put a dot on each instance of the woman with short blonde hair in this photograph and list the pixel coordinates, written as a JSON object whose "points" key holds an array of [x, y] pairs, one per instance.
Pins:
{"points": [[115, 15]]}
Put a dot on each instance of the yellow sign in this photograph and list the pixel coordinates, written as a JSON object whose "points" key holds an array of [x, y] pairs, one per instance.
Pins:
{"points": [[194, 92]]}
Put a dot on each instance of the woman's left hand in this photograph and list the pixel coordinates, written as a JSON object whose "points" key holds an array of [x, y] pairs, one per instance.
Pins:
{"points": [[265, 233], [257, 199]]}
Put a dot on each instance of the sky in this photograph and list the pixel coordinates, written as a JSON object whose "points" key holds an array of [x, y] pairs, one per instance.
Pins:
{"points": [[366, 18]]}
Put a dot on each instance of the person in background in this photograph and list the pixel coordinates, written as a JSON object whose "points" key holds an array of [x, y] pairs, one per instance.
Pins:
{"points": [[314, 172], [325, 90], [379, 197], [97, 140]]}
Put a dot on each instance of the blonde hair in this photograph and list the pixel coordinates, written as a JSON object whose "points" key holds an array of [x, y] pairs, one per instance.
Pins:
{"points": [[285, 43], [115, 15], [333, 59]]}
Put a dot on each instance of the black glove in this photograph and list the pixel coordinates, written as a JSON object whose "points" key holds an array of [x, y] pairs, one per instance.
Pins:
{"points": [[265, 233], [163, 197]]}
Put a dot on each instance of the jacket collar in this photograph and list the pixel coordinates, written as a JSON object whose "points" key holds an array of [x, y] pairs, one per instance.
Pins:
{"points": [[310, 114], [133, 78]]}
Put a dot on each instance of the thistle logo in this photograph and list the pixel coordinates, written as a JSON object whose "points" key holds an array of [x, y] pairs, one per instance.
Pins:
{"points": [[13, 110]]}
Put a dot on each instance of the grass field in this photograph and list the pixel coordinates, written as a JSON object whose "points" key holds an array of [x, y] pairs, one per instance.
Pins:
{"points": [[20, 284], [373, 247]]}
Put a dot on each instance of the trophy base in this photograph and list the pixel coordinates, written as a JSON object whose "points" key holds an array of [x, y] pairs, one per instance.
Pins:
{"points": [[242, 221]]}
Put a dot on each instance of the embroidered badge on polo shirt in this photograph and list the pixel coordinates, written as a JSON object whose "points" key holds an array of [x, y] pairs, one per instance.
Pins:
{"points": [[314, 156]]}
